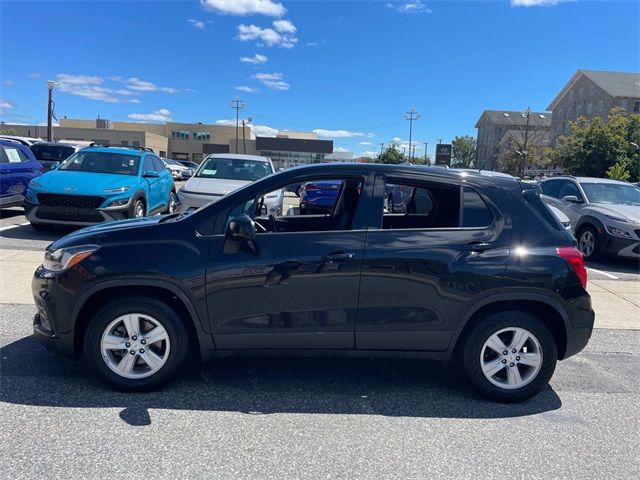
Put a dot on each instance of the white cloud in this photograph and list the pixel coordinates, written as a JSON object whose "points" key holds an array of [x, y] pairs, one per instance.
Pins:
{"points": [[537, 3], [321, 132], [200, 24], [284, 26], [266, 36], [396, 140], [417, 6], [257, 59], [34, 75], [340, 149], [273, 81], [244, 88], [8, 83], [162, 115], [365, 143], [65, 78], [245, 7], [134, 83], [311, 44], [86, 86], [5, 104]]}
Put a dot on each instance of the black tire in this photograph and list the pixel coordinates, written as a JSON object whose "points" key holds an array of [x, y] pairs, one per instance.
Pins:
{"points": [[41, 227], [163, 314], [172, 198], [472, 348], [138, 204], [583, 232]]}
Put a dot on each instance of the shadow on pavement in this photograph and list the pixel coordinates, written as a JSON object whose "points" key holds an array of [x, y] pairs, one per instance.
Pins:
{"points": [[26, 232], [616, 265], [391, 387]]}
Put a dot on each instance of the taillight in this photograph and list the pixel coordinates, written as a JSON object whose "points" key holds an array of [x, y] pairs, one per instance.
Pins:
{"points": [[576, 260]]}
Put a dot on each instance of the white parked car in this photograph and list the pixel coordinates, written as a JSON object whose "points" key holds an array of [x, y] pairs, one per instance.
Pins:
{"points": [[175, 167], [222, 173]]}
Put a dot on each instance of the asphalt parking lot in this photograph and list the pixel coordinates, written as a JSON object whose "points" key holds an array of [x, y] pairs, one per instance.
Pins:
{"points": [[325, 418]]}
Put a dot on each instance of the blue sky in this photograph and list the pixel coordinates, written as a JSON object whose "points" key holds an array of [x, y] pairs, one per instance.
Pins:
{"points": [[346, 69]]}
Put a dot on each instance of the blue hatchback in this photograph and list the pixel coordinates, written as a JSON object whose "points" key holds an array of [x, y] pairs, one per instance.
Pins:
{"points": [[18, 167], [100, 184]]}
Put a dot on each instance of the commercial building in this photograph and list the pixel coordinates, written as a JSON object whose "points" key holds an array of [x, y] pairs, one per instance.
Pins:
{"points": [[189, 141], [502, 133], [591, 93]]}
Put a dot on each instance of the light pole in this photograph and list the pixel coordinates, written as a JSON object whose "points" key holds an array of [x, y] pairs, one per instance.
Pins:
{"points": [[50, 85], [411, 115], [237, 103], [526, 138], [426, 145], [381, 149]]}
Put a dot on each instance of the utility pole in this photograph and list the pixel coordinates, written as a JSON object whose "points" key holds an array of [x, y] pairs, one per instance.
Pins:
{"points": [[411, 115], [404, 150], [238, 104], [439, 141], [244, 141], [50, 85], [426, 145], [526, 138], [374, 154]]}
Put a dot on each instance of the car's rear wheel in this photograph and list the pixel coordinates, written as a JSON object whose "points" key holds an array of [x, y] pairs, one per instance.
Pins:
{"points": [[171, 207], [136, 344], [510, 356], [588, 243], [139, 209]]}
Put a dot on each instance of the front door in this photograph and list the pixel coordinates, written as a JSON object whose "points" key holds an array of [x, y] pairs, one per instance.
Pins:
{"points": [[296, 286], [155, 184]]}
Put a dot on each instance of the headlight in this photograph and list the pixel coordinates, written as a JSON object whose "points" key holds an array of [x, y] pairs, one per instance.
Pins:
{"points": [[120, 202], [618, 232], [64, 258], [117, 190], [34, 184]]}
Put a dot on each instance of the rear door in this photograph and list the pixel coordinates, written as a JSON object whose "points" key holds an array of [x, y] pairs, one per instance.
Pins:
{"points": [[16, 171], [423, 267]]}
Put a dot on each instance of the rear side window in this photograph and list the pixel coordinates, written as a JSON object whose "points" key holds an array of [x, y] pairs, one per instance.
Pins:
{"points": [[12, 155], [475, 212], [53, 153], [551, 188], [421, 206], [532, 197]]}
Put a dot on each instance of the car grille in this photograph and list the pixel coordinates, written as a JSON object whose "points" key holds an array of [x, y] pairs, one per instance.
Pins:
{"points": [[79, 201], [84, 215]]}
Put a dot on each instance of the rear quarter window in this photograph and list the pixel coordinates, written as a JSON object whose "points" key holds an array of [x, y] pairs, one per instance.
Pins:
{"points": [[532, 196], [475, 212]]}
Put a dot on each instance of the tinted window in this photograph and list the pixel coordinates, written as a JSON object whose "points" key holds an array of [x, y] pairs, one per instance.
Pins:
{"points": [[148, 165], [614, 193], [475, 212], [158, 166], [532, 197], [53, 153], [422, 206], [12, 155], [568, 188], [102, 162], [234, 169], [551, 187]]}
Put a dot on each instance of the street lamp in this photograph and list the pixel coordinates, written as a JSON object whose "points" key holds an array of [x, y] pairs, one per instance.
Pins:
{"points": [[411, 115], [238, 104], [50, 85]]}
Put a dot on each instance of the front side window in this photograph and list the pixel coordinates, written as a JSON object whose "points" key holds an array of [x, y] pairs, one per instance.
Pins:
{"points": [[612, 193], [568, 189], [102, 162], [551, 188], [233, 169], [12, 155], [53, 153]]}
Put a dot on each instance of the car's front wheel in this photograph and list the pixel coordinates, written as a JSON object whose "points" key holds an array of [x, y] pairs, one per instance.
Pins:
{"points": [[173, 200], [138, 210], [136, 344], [510, 356], [588, 243]]}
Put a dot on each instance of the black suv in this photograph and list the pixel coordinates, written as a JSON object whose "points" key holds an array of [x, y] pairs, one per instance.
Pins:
{"points": [[476, 270]]}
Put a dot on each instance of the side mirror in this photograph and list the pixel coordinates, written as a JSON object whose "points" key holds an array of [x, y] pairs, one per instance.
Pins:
{"points": [[150, 174], [241, 228], [571, 199], [55, 166], [188, 173]]}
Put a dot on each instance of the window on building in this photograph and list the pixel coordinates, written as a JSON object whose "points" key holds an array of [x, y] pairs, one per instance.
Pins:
{"points": [[135, 143], [601, 106], [201, 136], [197, 157], [589, 108], [124, 143], [567, 128], [163, 154], [636, 107], [101, 142], [559, 129], [623, 103], [581, 92], [592, 90], [179, 156], [179, 135], [568, 112]]}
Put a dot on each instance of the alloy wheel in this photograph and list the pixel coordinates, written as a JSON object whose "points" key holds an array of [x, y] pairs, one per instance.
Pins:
{"points": [[172, 202], [511, 358], [135, 346], [587, 243], [139, 210]]}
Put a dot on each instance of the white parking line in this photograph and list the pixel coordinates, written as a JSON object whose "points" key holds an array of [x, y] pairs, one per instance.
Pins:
{"points": [[606, 274], [2, 229]]}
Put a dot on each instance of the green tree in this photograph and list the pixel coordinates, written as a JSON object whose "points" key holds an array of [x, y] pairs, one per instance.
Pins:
{"points": [[8, 132], [391, 155], [619, 171], [463, 152], [593, 147]]}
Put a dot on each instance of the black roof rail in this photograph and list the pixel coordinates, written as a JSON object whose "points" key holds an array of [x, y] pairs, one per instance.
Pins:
{"points": [[130, 147]]}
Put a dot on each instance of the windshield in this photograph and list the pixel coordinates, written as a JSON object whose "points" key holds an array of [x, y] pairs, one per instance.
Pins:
{"points": [[613, 193], [234, 169], [102, 162], [53, 153]]}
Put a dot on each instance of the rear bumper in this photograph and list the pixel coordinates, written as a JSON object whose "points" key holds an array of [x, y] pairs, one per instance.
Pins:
{"points": [[580, 325]]}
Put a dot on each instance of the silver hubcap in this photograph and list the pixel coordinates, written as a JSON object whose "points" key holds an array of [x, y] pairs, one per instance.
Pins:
{"points": [[587, 243], [139, 210], [135, 346], [172, 203], [511, 358]]}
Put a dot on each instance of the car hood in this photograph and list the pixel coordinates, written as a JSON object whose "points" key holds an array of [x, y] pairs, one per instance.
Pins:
{"points": [[214, 186], [82, 183], [95, 233], [630, 212]]}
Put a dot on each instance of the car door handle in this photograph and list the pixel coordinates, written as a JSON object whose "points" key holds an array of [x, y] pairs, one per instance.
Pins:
{"points": [[338, 257], [479, 246]]}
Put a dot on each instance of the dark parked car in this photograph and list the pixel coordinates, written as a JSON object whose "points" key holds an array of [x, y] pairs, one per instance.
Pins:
{"points": [[17, 168], [477, 271], [50, 154], [318, 196]]}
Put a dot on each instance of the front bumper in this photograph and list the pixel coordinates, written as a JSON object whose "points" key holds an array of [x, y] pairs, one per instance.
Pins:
{"points": [[618, 246], [42, 214], [195, 200]]}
